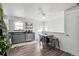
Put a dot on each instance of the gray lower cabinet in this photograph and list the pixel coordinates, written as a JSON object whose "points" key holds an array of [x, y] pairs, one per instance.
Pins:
{"points": [[19, 37]]}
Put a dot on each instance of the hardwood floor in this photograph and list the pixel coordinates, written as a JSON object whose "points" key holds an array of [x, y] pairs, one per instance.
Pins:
{"points": [[35, 49]]}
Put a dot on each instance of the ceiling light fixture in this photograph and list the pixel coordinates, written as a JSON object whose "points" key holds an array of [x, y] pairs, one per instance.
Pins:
{"points": [[42, 12]]}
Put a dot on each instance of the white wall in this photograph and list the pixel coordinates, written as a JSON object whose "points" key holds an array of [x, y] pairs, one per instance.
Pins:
{"points": [[56, 23]]}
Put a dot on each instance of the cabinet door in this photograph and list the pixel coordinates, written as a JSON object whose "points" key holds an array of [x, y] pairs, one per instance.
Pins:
{"points": [[30, 37], [27, 37], [18, 38]]}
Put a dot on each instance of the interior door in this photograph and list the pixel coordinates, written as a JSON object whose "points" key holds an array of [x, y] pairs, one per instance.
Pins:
{"points": [[71, 31]]}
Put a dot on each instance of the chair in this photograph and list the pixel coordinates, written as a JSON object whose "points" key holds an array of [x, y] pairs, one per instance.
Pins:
{"points": [[57, 43], [42, 39], [50, 41], [54, 42]]}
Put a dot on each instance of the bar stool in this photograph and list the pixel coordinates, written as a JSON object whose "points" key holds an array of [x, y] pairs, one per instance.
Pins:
{"points": [[55, 43]]}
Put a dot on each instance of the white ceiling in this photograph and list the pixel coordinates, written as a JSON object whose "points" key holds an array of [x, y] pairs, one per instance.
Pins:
{"points": [[31, 10]]}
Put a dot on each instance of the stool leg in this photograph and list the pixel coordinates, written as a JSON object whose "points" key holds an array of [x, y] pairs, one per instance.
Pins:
{"points": [[58, 44], [54, 45]]}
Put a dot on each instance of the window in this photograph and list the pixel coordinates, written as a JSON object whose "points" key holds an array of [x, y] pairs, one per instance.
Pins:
{"points": [[18, 25]]}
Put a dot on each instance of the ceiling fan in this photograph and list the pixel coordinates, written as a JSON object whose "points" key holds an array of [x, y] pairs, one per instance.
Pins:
{"points": [[42, 12]]}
